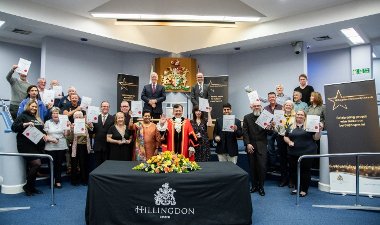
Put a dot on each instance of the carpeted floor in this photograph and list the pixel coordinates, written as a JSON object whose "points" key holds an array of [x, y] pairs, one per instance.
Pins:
{"points": [[277, 207]]}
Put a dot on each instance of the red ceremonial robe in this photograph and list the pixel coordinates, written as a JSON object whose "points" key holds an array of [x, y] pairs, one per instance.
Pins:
{"points": [[189, 139]]}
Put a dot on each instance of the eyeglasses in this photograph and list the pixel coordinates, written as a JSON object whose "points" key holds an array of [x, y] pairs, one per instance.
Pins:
{"points": [[125, 106]]}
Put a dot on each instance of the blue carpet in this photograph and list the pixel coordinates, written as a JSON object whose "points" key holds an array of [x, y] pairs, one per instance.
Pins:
{"points": [[277, 207]]}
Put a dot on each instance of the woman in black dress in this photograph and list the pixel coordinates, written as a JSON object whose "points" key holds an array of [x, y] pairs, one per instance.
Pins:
{"points": [[120, 139], [300, 143], [29, 117], [200, 124]]}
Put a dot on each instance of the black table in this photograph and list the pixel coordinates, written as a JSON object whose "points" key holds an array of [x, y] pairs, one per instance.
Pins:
{"points": [[217, 194]]}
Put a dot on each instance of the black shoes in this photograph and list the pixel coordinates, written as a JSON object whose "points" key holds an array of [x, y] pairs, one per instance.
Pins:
{"points": [[253, 189], [261, 192], [283, 184], [28, 192]]}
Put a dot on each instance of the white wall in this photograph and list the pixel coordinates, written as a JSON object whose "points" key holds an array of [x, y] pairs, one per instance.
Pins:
{"points": [[9, 55], [262, 70], [329, 67], [92, 70]]}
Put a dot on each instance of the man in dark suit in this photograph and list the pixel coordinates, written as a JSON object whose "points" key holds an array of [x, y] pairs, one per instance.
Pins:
{"points": [[227, 146], [255, 141], [100, 129], [153, 95], [199, 90]]}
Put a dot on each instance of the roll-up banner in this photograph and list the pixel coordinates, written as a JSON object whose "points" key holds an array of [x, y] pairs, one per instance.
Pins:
{"points": [[219, 94], [353, 126], [127, 88]]}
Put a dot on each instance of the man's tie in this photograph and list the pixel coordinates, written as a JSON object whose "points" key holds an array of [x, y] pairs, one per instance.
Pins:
{"points": [[154, 88], [104, 119], [201, 89]]}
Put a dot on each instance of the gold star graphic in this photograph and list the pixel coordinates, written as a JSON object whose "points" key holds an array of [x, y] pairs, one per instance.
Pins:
{"points": [[124, 85], [337, 100]]}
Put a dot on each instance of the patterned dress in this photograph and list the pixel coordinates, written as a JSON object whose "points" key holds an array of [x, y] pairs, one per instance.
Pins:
{"points": [[202, 152]]}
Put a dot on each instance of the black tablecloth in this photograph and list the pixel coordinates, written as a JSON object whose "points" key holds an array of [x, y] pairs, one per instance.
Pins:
{"points": [[217, 194]]}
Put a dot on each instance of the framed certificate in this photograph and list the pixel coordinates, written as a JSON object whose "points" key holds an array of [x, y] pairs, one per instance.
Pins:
{"points": [[136, 108], [48, 97], [253, 96], [203, 104], [228, 123], [264, 119], [23, 66], [278, 117], [33, 134], [63, 121], [57, 91], [312, 123], [92, 114], [85, 102], [79, 126]]}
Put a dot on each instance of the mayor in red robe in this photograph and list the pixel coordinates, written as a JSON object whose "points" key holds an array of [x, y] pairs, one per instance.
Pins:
{"points": [[177, 134]]}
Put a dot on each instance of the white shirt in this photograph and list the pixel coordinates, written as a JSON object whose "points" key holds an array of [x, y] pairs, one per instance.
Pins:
{"points": [[55, 130]]}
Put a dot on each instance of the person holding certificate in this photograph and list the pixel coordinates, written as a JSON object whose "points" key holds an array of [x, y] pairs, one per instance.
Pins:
{"points": [[18, 90], [29, 118], [200, 124], [33, 95], [56, 144], [177, 134], [200, 90], [65, 101], [226, 140], [255, 141], [148, 138], [103, 123], [317, 108], [120, 139], [153, 95], [80, 150], [281, 128], [300, 143]]}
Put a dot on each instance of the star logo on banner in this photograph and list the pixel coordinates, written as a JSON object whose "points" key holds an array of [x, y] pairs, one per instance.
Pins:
{"points": [[338, 101], [124, 85]]}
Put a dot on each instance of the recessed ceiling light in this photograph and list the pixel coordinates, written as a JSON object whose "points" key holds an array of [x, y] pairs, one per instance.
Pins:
{"points": [[1, 23], [353, 36], [373, 55]]}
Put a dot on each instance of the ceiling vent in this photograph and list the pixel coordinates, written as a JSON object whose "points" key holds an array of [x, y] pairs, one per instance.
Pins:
{"points": [[20, 31], [322, 38]]}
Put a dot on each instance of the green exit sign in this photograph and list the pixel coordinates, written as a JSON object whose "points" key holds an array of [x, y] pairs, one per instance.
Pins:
{"points": [[361, 71]]}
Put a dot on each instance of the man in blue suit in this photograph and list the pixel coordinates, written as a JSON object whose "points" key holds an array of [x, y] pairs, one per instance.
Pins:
{"points": [[153, 95]]}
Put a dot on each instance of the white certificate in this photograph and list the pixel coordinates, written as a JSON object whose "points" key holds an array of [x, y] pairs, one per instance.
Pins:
{"points": [[79, 126], [48, 97], [57, 91], [203, 104], [264, 119], [253, 96], [23, 66], [63, 121], [93, 114], [278, 117], [85, 102], [312, 123], [136, 107], [228, 123], [33, 134], [169, 112]]}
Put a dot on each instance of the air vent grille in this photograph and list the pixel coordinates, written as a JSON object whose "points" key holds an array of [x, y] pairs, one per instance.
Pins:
{"points": [[322, 38], [20, 31]]}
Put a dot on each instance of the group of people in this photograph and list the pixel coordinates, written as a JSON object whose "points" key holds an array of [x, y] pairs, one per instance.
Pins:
{"points": [[121, 137]]}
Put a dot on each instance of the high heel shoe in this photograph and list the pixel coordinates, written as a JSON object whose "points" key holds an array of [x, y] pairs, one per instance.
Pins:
{"points": [[58, 185]]}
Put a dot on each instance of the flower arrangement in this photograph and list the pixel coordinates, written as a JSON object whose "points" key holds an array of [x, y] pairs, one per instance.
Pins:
{"points": [[168, 162]]}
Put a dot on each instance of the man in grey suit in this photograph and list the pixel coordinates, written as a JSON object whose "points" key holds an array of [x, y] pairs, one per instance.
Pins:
{"points": [[199, 90], [255, 141], [153, 95]]}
